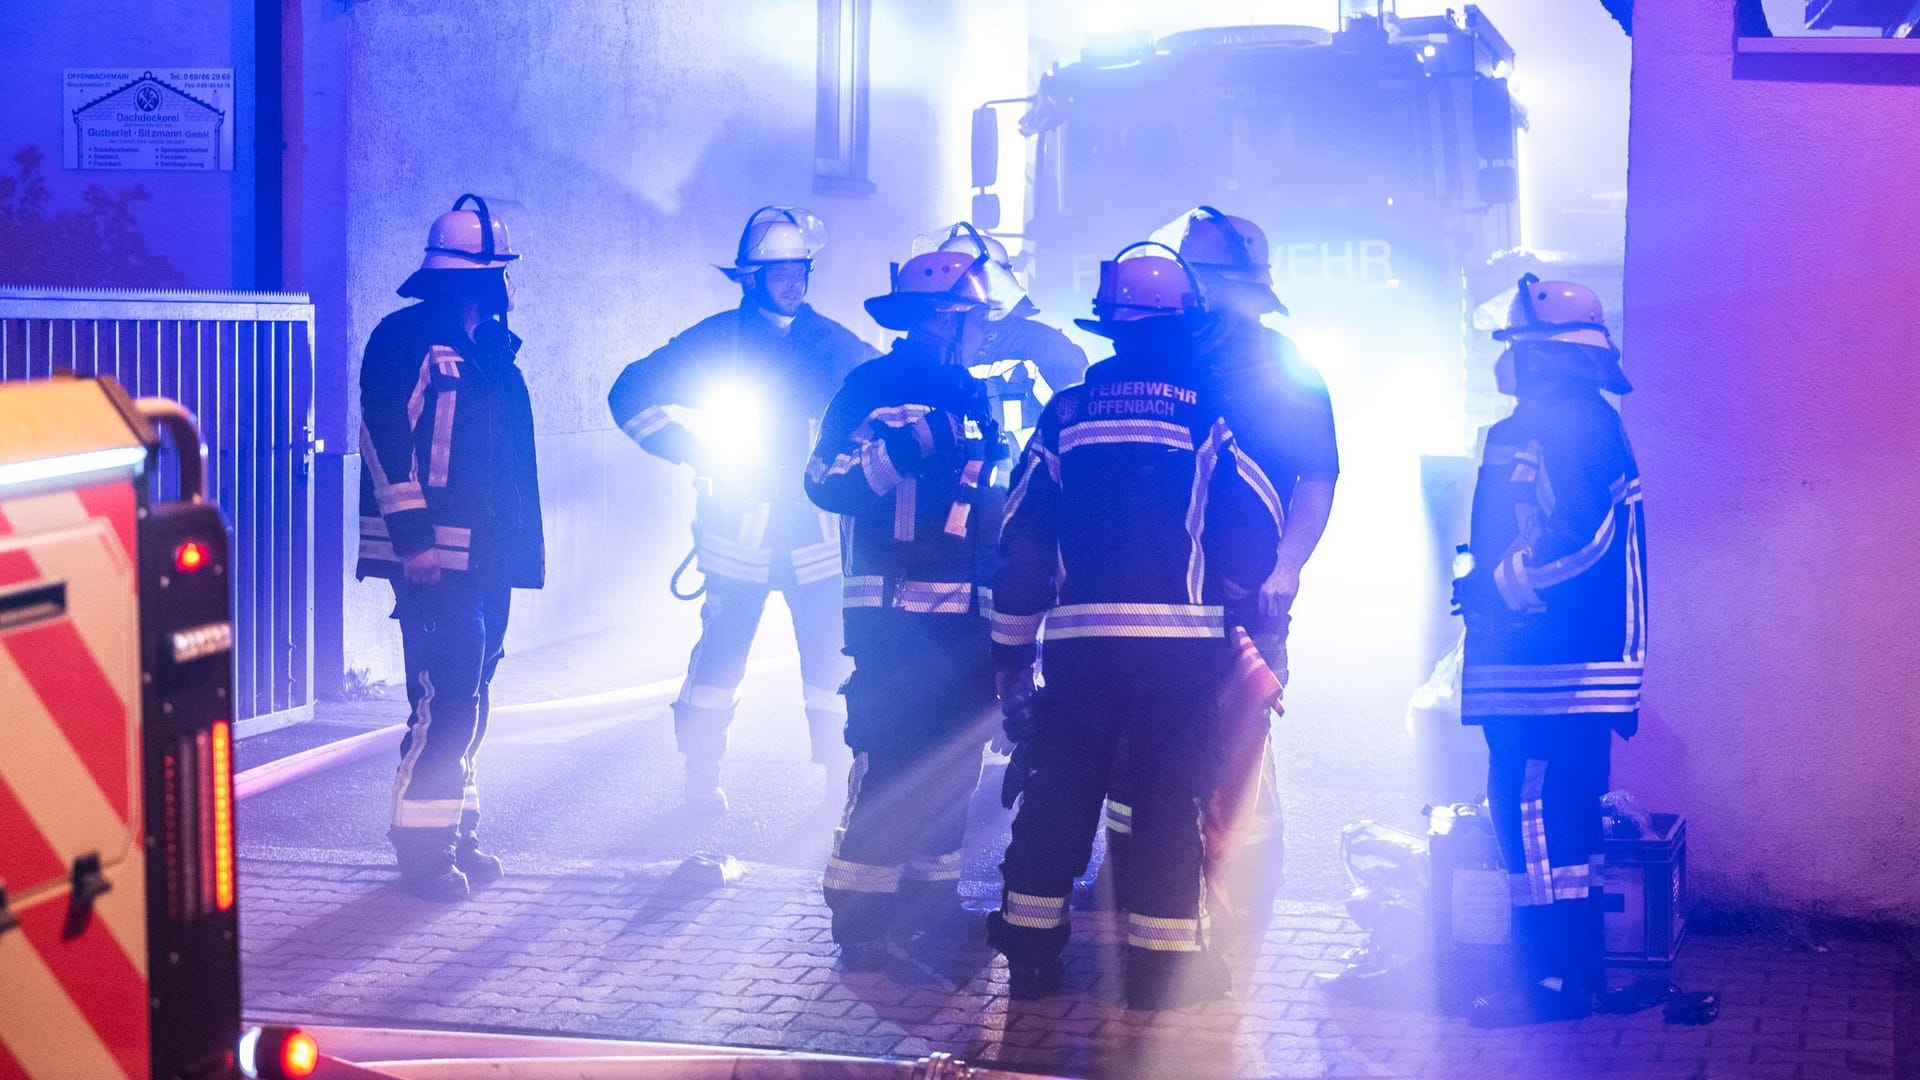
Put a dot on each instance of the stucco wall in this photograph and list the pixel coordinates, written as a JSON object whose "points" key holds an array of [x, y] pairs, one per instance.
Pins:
{"points": [[1770, 245], [199, 223], [625, 144]]}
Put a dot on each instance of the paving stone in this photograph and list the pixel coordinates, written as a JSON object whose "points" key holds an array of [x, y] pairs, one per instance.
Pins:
{"points": [[618, 956]]}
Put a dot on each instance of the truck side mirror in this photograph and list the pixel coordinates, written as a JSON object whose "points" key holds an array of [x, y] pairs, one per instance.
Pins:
{"points": [[986, 147], [1499, 185], [986, 212]]}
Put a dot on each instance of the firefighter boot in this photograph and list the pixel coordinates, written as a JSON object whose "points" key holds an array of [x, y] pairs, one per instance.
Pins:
{"points": [[702, 735], [1033, 957], [481, 867], [426, 861], [864, 956], [1552, 944], [705, 798], [932, 910]]}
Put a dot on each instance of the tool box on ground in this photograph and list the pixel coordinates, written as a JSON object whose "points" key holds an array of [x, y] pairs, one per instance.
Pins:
{"points": [[1644, 896]]}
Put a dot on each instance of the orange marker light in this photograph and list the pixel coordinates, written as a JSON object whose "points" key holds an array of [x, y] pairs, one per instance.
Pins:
{"points": [[223, 817], [190, 556], [299, 1055]]}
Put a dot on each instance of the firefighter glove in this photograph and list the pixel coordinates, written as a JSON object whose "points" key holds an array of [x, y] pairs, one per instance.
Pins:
{"points": [[1019, 700], [914, 448], [1476, 594]]}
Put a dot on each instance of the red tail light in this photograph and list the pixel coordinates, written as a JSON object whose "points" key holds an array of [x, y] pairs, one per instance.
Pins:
{"points": [[299, 1056], [190, 556], [277, 1053]]}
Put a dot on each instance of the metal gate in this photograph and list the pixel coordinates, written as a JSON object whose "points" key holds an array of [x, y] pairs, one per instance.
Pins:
{"points": [[243, 363]]}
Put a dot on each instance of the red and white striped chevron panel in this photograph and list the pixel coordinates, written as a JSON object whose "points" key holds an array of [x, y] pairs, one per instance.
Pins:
{"points": [[70, 785]]}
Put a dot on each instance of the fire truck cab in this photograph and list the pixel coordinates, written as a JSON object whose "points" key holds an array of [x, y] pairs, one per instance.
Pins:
{"points": [[1383, 160]]}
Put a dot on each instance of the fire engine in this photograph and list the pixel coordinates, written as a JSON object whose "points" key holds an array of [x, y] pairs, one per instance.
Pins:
{"points": [[1383, 160]]}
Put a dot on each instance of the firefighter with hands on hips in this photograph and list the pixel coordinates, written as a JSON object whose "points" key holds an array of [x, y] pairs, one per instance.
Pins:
{"points": [[1134, 519], [450, 514], [908, 453], [753, 380], [1556, 635], [1021, 359]]}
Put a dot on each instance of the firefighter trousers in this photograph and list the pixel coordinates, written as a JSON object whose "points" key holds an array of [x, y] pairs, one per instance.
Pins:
{"points": [[920, 708], [729, 621], [1244, 831], [1168, 769], [451, 638], [1545, 778]]}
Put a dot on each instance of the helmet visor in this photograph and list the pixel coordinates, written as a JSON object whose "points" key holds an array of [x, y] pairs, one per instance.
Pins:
{"points": [[1004, 291]]}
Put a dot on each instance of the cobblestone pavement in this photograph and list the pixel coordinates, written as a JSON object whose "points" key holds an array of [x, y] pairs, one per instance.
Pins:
{"points": [[645, 954]]}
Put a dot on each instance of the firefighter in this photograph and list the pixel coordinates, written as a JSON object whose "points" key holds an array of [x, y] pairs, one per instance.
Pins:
{"points": [[1556, 634], [450, 514], [756, 377], [1021, 359], [907, 453], [1134, 518], [1283, 415]]}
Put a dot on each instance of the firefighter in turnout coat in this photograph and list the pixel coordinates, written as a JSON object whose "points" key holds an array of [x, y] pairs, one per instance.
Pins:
{"points": [[1556, 619], [1133, 521], [910, 454], [450, 514], [754, 379], [1282, 415]]}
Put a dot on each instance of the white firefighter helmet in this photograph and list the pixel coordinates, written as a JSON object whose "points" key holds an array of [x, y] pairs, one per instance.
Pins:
{"points": [[1135, 286], [777, 234], [938, 281], [1568, 313], [460, 242], [1231, 247], [1555, 311], [1004, 291], [462, 239]]}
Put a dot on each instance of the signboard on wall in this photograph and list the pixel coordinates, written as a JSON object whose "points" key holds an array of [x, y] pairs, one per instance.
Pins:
{"points": [[132, 118]]}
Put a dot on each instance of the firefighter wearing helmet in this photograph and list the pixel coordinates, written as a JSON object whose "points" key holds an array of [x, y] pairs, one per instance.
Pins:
{"points": [[450, 514], [752, 379], [908, 453], [1556, 634], [1021, 359], [1134, 520], [1281, 411]]}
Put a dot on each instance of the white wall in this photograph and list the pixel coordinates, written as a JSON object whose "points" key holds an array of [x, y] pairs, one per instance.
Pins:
{"points": [[1770, 251]]}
